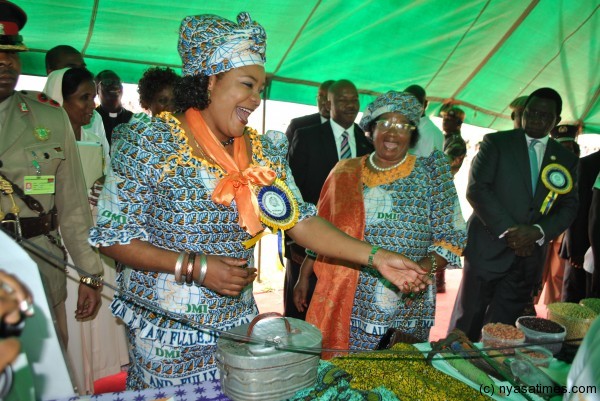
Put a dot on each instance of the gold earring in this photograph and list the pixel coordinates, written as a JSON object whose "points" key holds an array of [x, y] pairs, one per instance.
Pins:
{"points": [[208, 94]]}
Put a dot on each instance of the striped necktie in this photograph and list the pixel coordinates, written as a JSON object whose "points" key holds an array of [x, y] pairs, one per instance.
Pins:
{"points": [[533, 164], [345, 148]]}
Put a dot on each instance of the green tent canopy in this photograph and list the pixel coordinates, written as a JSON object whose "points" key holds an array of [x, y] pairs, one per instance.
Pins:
{"points": [[479, 54]]}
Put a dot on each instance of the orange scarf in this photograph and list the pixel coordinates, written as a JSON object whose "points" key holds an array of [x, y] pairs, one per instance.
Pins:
{"points": [[240, 179], [341, 203]]}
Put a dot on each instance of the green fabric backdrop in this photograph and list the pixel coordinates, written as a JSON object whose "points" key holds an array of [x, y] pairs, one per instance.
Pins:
{"points": [[481, 54]]}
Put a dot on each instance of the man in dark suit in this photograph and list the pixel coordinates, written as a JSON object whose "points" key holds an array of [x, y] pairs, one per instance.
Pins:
{"points": [[577, 282], [293, 251], [312, 119], [313, 153], [315, 150], [510, 180], [554, 268]]}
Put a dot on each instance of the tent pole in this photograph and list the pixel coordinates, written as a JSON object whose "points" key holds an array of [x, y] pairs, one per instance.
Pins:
{"points": [[266, 95], [90, 28], [264, 119], [497, 47]]}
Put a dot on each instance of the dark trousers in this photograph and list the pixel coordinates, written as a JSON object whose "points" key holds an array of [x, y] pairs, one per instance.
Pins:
{"points": [[499, 300], [576, 284], [295, 255]]}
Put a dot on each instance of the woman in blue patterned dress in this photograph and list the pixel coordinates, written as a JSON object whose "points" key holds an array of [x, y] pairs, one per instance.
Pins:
{"points": [[395, 200], [188, 191]]}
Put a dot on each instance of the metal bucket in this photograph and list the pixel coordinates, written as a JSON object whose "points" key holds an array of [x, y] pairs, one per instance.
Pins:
{"points": [[257, 370]]}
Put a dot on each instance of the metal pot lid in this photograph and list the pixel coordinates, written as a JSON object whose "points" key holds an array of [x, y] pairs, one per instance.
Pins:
{"points": [[273, 334]]}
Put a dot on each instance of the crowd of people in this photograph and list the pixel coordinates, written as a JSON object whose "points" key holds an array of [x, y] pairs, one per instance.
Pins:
{"points": [[370, 211]]}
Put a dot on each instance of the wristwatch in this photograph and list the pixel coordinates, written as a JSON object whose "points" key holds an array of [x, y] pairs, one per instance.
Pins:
{"points": [[94, 282]]}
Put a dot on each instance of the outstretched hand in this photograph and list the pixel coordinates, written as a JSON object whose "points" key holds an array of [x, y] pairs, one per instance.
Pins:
{"points": [[402, 272]]}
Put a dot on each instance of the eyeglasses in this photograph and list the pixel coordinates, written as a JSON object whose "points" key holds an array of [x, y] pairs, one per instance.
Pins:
{"points": [[387, 125]]}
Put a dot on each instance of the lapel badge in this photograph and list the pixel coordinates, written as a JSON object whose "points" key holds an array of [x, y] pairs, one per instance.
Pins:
{"points": [[23, 107], [553, 158], [41, 134]]}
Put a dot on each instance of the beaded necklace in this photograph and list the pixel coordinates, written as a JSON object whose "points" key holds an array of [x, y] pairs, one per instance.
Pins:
{"points": [[227, 142], [372, 178], [383, 169]]}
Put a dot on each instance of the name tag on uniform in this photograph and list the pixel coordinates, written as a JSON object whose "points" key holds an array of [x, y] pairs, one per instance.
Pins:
{"points": [[39, 184]]}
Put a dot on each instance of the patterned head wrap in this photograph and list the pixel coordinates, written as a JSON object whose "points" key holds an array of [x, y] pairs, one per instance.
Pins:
{"points": [[393, 102], [209, 44]]}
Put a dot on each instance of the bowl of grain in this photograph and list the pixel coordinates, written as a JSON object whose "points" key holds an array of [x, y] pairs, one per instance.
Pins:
{"points": [[538, 356], [544, 332], [576, 318], [502, 336]]}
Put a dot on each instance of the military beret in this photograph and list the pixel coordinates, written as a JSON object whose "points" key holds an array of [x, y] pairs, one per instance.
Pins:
{"points": [[12, 20], [518, 103], [453, 112], [564, 132]]}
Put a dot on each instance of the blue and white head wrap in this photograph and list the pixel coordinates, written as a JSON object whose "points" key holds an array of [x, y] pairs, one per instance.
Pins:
{"points": [[392, 102], [209, 44]]}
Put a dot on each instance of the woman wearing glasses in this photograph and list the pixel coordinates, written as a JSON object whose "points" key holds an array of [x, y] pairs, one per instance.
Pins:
{"points": [[391, 199]]}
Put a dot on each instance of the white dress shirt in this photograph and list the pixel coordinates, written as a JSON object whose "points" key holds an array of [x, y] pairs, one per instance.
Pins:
{"points": [[338, 130], [540, 148]]}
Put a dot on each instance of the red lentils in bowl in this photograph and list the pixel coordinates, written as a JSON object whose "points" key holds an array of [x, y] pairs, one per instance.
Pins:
{"points": [[500, 335], [537, 355]]}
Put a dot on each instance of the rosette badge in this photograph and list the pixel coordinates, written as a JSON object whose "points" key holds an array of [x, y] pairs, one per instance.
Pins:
{"points": [[278, 206], [558, 180], [278, 210]]}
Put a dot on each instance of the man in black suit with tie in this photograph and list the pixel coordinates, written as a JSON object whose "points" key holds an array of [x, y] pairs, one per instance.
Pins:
{"points": [[577, 283], [312, 119], [313, 153], [522, 186]]}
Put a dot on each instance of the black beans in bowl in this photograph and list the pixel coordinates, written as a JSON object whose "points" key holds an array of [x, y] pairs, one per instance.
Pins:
{"points": [[541, 325]]}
